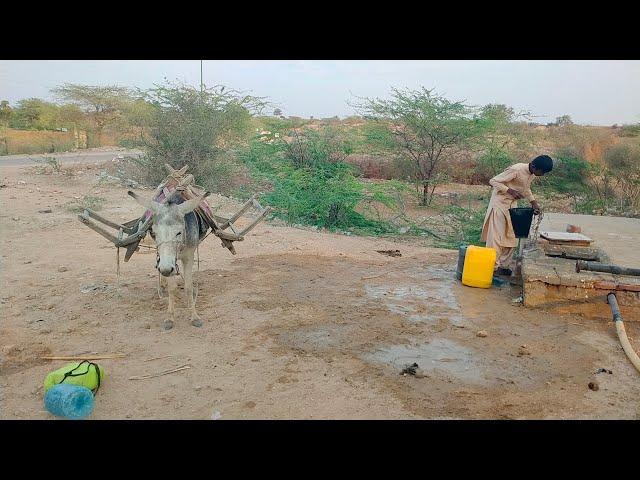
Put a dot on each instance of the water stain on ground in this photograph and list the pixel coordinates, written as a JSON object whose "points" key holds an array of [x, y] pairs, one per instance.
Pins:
{"points": [[449, 360], [438, 356], [421, 294]]}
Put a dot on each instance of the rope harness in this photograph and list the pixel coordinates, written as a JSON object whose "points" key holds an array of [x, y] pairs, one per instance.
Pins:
{"points": [[533, 240], [178, 249], [179, 246], [89, 364]]}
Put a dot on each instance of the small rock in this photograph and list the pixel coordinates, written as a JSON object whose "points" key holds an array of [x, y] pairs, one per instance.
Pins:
{"points": [[594, 386], [574, 229], [197, 388], [147, 326], [45, 331], [21, 182], [216, 415], [481, 333], [26, 262], [62, 268], [604, 370], [518, 300], [15, 219], [96, 324], [523, 350], [48, 210]]}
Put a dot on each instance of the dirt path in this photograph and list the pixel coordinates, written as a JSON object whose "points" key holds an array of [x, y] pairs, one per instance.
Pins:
{"points": [[299, 324]]}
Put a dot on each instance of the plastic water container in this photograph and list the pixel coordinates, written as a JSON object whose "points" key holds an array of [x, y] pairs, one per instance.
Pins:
{"points": [[462, 252], [69, 401], [478, 267]]}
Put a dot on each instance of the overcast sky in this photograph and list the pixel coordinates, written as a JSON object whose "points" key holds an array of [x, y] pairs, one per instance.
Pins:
{"points": [[591, 92]]}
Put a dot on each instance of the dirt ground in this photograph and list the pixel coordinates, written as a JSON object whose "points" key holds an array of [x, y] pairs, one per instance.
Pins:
{"points": [[298, 325]]}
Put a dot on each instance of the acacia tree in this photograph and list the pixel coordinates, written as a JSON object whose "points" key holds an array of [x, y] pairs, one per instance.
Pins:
{"points": [[424, 129], [196, 127], [103, 104], [505, 139], [564, 121]]}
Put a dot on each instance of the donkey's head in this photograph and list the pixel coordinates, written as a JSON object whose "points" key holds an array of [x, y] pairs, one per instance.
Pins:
{"points": [[168, 229]]}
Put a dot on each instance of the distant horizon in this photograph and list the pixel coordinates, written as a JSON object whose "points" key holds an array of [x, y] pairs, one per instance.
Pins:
{"points": [[592, 93]]}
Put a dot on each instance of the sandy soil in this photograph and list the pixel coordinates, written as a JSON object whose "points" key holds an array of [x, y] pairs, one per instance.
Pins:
{"points": [[299, 324]]}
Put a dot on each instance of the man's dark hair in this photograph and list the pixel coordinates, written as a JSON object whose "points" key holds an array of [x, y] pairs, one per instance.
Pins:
{"points": [[543, 162]]}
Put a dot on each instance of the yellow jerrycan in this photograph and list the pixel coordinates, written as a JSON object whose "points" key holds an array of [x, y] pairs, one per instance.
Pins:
{"points": [[478, 267]]}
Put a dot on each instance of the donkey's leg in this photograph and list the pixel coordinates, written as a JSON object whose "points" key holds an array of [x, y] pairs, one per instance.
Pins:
{"points": [[172, 283], [187, 263], [163, 284]]}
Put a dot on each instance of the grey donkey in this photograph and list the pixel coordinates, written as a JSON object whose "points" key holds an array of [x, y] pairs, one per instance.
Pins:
{"points": [[177, 231]]}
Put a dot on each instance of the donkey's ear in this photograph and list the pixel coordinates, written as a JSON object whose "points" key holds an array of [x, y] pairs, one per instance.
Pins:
{"points": [[190, 205], [148, 204]]}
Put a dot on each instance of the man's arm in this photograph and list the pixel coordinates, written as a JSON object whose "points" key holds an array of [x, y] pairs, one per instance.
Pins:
{"points": [[528, 194], [536, 207]]}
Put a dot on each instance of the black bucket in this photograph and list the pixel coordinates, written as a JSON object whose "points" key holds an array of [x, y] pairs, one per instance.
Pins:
{"points": [[521, 219]]}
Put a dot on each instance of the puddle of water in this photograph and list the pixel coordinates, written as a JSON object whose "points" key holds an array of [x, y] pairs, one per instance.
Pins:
{"points": [[439, 356], [428, 298], [446, 357]]}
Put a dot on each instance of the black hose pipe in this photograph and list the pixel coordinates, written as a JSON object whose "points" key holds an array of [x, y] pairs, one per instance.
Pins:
{"points": [[599, 267], [615, 310]]}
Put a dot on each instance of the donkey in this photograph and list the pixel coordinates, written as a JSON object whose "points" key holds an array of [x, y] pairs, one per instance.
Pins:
{"points": [[177, 231]]}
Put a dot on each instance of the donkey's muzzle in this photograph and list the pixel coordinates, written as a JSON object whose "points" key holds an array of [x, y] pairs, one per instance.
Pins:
{"points": [[167, 271]]}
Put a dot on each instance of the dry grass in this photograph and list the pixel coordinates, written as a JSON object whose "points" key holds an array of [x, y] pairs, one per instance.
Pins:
{"points": [[34, 141]]}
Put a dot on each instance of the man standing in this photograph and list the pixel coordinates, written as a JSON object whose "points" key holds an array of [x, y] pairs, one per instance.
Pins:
{"points": [[508, 187]]}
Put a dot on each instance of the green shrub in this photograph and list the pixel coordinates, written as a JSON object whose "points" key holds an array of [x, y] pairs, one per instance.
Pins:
{"points": [[630, 130], [491, 163], [570, 174], [464, 226], [197, 128], [307, 186]]}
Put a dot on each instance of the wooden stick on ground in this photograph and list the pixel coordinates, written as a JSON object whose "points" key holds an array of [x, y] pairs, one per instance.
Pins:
{"points": [[88, 357], [167, 372], [156, 358]]}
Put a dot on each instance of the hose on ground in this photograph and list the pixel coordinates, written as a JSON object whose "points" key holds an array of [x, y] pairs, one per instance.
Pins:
{"points": [[622, 334]]}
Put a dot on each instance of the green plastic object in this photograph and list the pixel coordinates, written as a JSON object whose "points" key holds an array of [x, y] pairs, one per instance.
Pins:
{"points": [[80, 373]]}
